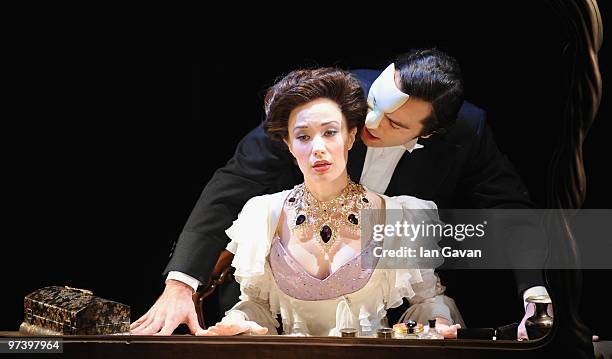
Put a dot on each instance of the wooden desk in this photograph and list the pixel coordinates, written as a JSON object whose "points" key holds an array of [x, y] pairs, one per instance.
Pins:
{"points": [[246, 346]]}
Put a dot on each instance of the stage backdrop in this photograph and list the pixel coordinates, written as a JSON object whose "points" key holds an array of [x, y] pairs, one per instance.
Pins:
{"points": [[119, 127]]}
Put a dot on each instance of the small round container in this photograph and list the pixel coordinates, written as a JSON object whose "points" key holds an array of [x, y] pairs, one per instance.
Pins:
{"points": [[384, 333], [348, 332]]}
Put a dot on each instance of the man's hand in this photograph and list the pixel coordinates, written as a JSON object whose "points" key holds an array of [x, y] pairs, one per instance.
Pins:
{"points": [[232, 324], [529, 311], [174, 307]]}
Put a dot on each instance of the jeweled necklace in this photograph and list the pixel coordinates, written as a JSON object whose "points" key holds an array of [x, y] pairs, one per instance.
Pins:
{"points": [[325, 218]]}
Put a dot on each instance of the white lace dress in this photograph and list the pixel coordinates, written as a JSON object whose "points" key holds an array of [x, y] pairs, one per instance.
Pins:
{"points": [[273, 283]]}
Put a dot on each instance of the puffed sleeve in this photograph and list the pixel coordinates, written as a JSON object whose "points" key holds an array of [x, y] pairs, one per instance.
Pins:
{"points": [[254, 307], [251, 236], [427, 303], [420, 285]]}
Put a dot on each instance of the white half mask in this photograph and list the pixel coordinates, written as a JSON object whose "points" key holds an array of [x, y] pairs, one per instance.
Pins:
{"points": [[384, 96]]}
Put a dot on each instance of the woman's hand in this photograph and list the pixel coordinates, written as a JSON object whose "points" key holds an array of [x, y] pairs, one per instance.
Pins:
{"points": [[233, 324], [448, 331]]}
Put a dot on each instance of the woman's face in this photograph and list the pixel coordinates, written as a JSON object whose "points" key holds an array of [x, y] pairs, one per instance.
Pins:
{"points": [[319, 140]]}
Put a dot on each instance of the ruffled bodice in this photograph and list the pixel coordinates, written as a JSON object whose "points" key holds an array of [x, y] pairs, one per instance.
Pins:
{"points": [[273, 283], [293, 280]]}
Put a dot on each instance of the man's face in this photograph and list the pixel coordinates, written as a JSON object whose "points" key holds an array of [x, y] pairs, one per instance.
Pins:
{"points": [[400, 126]]}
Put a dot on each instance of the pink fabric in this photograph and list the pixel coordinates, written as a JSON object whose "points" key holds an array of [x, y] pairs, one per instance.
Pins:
{"points": [[296, 282]]}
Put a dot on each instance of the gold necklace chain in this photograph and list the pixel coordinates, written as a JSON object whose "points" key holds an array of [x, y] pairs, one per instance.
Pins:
{"points": [[325, 218]]}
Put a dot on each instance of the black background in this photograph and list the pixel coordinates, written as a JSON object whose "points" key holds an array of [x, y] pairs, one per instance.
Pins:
{"points": [[116, 126]]}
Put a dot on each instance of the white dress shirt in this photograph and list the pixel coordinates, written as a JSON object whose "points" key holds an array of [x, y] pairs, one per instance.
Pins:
{"points": [[185, 278], [378, 168], [380, 163]]}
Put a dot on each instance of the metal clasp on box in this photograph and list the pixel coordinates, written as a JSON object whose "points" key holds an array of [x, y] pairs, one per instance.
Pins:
{"points": [[68, 328]]}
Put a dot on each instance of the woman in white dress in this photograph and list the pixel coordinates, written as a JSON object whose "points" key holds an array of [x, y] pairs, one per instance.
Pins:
{"points": [[299, 253]]}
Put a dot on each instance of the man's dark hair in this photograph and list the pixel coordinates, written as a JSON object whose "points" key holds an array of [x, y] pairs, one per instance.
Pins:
{"points": [[302, 86], [433, 76]]}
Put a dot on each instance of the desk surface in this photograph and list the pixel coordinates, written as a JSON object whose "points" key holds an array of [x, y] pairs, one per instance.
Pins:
{"points": [[275, 346]]}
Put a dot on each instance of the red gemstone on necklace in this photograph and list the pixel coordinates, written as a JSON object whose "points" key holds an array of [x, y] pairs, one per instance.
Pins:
{"points": [[326, 233], [300, 219]]}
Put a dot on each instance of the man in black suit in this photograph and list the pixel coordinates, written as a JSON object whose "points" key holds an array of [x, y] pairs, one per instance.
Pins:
{"points": [[420, 139]]}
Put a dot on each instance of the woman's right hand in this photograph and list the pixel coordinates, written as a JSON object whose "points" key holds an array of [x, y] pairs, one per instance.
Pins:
{"points": [[233, 324]]}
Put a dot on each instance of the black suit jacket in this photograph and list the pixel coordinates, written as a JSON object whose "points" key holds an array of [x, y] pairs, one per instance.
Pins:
{"points": [[462, 169]]}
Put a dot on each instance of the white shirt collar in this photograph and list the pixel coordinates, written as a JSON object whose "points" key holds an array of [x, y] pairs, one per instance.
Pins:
{"points": [[408, 146], [413, 145]]}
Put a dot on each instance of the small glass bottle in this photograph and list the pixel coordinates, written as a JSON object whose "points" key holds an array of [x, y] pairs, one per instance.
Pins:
{"points": [[431, 332], [400, 330], [418, 329], [411, 324], [411, 334]]}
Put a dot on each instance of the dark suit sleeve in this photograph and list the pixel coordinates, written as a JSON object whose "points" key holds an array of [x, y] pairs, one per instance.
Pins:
{"points": [[259, 165], [490, 181]]}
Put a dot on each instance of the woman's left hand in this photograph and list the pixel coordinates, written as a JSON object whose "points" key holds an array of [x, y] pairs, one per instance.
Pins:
{"points": [[449, 331], [232, 324]]}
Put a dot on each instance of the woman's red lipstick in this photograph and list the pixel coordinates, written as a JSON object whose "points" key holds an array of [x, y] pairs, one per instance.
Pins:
{"points": [[321, 166]]}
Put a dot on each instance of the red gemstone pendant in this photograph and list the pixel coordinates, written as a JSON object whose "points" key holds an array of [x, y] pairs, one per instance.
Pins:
{"points": [[326, 233]]}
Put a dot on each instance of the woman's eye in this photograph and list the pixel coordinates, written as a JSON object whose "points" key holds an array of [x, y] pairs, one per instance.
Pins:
{"points": [[330, 133], [303, 138]]}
